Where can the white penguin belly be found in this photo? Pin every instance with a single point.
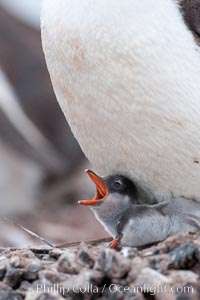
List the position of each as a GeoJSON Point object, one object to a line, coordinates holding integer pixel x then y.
{"type": "Point", "coordinates": [130, 96]}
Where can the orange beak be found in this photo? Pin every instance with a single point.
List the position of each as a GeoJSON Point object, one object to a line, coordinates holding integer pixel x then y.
{"type": "Point", "coordinates": [101, 190]}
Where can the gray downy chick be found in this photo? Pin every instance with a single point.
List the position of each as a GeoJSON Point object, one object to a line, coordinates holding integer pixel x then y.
{"type": "Point", "coordinates": [126, 215]}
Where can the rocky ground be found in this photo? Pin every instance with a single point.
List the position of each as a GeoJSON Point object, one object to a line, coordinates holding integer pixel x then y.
{"type": "Point", "coordinates": [169, 270]}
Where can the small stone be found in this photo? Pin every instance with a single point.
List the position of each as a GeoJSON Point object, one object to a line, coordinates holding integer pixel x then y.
{"type": "Point", "coordinates": [40, 284]}
{"type": "Point", "coordinates": [15, 262]}
{"type": "Point", "coordinates": [130, 252]}
{"type": "Point", "coordinates": [94, 277]}
{"type": "Point", "coordinates": [32, 295]}
{"type": "Point", "coordinates": [85, 255]}
{"type": "Point", "coordinates": [137, 264]}
{"type": "Point", "coordinates": [42, 254]}
{"type": "Point", "coordinates": [112, 293]}
{"type": "Point", "coordinates": [20, 262]}
{"type": "Point", "coordinates": [173, 242]}
{"type": "Point", "coordinates": [24, 287]}
{"type": "Point", "coordinates": [159, 262]}
{"type": "Point", "coordinates": [53, 277]}
{"type": "Point", "coordinates": [31, 271]}
{"type": "Point", "coordinates": [7, 293]}
{"type": "Point", "coordinates": [67, 263]}
{"type": "Point", "coordinates": [150, 277]}
{"type": "Point", "coordinates": [184, 257]}
{"type": "Point", "coordinates": [46, 264]}
{"type": "Point", "coordinates": [23, 253]}
{"type": "Point", "coordinates": [44, 257]}
{"type": "Point", "coordinates": [49, 297]}
{"type": "Point", "coordinates": [3, 266]}
{"type": "Point", "coordinates": [181, 277]}
{"type": "Point", "coordinates": [55, 253]}
{"type": "Point", "coordinates": [137, 296]}
{"type": "Point", "coordinates": [113, 264]}
{"type": "Point", "coordinates": [13, 277]}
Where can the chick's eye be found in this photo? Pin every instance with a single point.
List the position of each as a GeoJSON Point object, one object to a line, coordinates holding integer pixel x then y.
{"type": "Point", "coordinates": [117, 184]}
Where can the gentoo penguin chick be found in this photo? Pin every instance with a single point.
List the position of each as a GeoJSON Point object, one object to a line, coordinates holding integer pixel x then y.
{"type": "Point", "coordinates": [114, 195]}
{"type": "Point", "coordinates": [145, 224]}
{"type": "Point", "coordinates": [121, 209]}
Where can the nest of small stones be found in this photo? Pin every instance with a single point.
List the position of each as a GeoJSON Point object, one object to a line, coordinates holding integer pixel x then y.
{"type": "Point", "coordinates": [169, 270]}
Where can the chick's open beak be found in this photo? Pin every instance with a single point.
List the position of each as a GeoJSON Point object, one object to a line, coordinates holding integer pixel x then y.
{"type": "Point", "coordinates": [101, 189]}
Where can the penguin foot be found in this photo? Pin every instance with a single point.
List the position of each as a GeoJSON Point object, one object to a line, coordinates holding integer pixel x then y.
{"type": "Point", "coordinates": [115, 243]}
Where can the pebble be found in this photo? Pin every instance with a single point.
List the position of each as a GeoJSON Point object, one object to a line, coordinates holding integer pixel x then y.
{"type": "Point", "coordinates": [3, 266]}
{"type": "Point", "coordinates": [7, 293]}
{"type": "Point", "coordinates": [67, 263]}
{"type": "Point", "coordinates": [53, 277]}
{"type": "Point", "coordinates": [32, 269]}
{"type": "Point", "coordinates": [113, 264]}
{"type": "Point", "coordinates": [14, 277]}
{"type": "Point", "coordinates": [172, 263]}
{"type": "Point", "coordinates": [85, 255]}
